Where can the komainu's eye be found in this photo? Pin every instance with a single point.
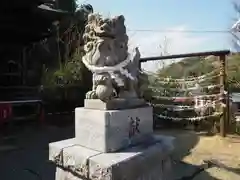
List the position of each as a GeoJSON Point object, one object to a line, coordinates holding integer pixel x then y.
{"type": "Point", "coordinates": [121, 45]}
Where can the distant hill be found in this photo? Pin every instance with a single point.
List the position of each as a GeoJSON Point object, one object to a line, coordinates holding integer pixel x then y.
{"type": "Point", "coordinates": [200, 65]}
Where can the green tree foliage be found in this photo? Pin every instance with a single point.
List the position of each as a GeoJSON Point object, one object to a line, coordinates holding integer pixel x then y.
{"type": "Point", "coordinates": [68, 48]}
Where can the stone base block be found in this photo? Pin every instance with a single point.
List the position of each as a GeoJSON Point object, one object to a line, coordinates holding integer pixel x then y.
{"type": "Point", "coordinates": [114, 104]}
{"type": "Point", "coordinates": [112, 130]}
{"type": "Point", "coordinates": [148, 161]}
{"type": "Point", "coordinates": [62, 174]}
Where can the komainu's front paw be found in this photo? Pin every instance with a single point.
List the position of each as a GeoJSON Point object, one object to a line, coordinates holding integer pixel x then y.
{"type": "Point", "coordinates": [91, 95]}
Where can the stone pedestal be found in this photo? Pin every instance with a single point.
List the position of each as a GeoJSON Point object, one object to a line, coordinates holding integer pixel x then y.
{"type": "Point", "coordinates": [115, 104]}
{"type": "Point", "coordinates": [146, 161]}
{"type": "Point", "coordinates": [113, 145]}
{"type": "Point", "coordinates": [112, 130]}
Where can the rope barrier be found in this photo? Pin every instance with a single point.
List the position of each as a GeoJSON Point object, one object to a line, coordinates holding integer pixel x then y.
{"type": "Point", "coordinates": [189, 97]}
{"type": "Point", "coordinates": [198, 118]}
{"type": "Point", "coordinates": [209, 87]}
{"type": "Point", "coordinates": [207, 104]}
{"type": "Point", "coordinates": [188, 82]}
{"type": "Point", "coordinates": [168, 79]}
{"type": "Point", "coordinates": [201, 102]}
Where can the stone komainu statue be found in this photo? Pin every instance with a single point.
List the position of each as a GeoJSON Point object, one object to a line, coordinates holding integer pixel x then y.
{"type": "Point", "coordinates": [115, 71]}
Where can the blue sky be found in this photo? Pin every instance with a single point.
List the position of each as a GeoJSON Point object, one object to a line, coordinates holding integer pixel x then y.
{"type": "Point", "coordinates": [177, 15]}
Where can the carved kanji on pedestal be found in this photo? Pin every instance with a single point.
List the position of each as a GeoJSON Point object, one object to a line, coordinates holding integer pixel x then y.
{"type": "Point", "coordinates": [134, 127]}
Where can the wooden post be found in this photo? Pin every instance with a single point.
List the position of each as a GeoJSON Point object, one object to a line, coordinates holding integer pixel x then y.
{"type": "Point", "coordinates": [139, 65]}
{"type": "Point", "coordinates": [223, 119]}
{"type": "Point", "coordinates": [24, 66]}
{"type": "Point", "coordinates": [227, 100]}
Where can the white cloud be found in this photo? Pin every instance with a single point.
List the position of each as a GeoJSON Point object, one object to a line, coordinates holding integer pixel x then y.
{"type": "Point", "coordinates": [176, 42]}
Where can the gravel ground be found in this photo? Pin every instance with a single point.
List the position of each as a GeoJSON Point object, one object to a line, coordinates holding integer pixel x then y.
{"type": "Point", "coordinates": [194, 148]}
{"type": "Point", "coordinates": [24, 154]}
